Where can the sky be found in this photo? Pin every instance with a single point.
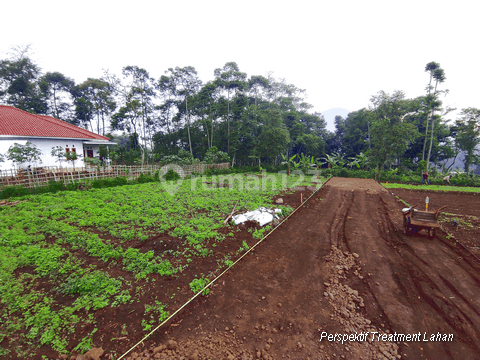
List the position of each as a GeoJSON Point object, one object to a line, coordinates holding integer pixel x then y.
{"type": "Point", "coordinates": [341, 52]}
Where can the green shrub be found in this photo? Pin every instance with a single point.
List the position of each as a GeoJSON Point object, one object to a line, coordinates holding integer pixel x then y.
{"type": "Point", "coordinates": [171, 175]}
{"type": "Point", "coordinates": [14, 191]}
{"type": "Point", "coordinates": [215, 156]}
{"type": "Point", "coordinates": [145, 179]}
{"type": "Point", "coordinates": [55, 186]}
{"type": "Point", "coordinates": [119, 181]}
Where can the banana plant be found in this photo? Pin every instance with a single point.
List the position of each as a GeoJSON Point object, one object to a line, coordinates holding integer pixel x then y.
{"type": "Point", "coordinates": [362, 160]}
{"type": "Point", "coordinates": [306, 161]}
{"type": "Point", "coordinates": [333, 160]}
{"type": "Point", "coordinates": [354, 162]}
{"type": "Point", "coordinates": [288, 160]}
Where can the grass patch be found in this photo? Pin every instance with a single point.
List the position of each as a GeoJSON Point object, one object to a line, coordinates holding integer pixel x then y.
{"type": "Point", "coordinates": [440, 188]}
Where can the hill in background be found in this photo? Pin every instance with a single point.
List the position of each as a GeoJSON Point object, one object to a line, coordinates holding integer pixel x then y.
{"type": "Point", "coordinates": [330, 117]}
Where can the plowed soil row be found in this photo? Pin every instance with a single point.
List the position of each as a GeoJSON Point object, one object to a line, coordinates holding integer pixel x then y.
{"type": "Point", "coordinates": [340, 264]}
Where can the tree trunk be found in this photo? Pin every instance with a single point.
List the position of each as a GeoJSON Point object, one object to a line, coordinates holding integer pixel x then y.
{"type": "Point", "coordinates": [98, 123]}
{"type": "Point", "coordinates": [425, 139]}
{"type": "Point", "coordinates": [430, 148]}
{"type": "Point", "coordinates": [103, 124]}
{"type": "Point", "coordinates": [228, 122]}
{"type": "Point", "coordinates": [426, 126]}
{"type": "Point", "coordinates": [55, 103]}
{"type": "Point", "coordinates": [188, 126]}
{"type": "Point", "coordinates": [433, 124]}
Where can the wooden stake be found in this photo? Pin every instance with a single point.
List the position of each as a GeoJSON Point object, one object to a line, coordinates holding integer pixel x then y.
{"type": "Point", "coordinates": [231, 214]}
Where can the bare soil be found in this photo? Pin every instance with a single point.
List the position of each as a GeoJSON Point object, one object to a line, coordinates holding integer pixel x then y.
{"type": "Point", "coordinates": [341, 264]}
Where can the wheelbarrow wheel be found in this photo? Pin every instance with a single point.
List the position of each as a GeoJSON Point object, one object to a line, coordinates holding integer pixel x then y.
{"type": "Point", "coordinates": [431, 233]}
{"type": "Point", "coordinates": [406, 226]}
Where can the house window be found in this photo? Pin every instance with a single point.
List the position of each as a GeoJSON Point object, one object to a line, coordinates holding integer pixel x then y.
{"type": "Point", "coordinates": [67, 150]}
{"type": "Point", "coordinates": [74, 150]}
{"type": "Point", "coordinates": [89, 152]}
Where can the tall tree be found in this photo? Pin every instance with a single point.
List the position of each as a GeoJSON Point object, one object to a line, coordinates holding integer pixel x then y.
{"type": "Point", "coordinates": [57, 89]}
{"type": "Point", "coordinates": [207, 110]}
{"type": "Point", "coordinates": [390, 133]}
{"type": "Point", "coordinates": [430, 68]}
{"type": "Point", "coordinates": [468, 136]}
{"type": "Point", "coordinates": [18, 83]}
{"type": "Point", "coordinates": [274, 135]}
{"type": "Point", "coordinates": [140, 89]}
{"type": "Point", "coordinates": [256, 84]}
{"type": "Point", "coordinates": [355, 139]}
{"type": "Point", "coordinates": [167, 92]}
{"type": "Point", "coordinates": [188, 85]}
{"type": "Point", "coordinates": [233, 81]}
{"type": "Point", "coordinates": [94, 99]}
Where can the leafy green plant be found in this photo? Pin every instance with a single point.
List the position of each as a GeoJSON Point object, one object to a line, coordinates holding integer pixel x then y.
{"type": "Point", "coordinates": [20, 154]}
{"type": "Point", "coordinates": [157, 314]}
{"type": "Point", "coordinates": [198, 285]}
{"type": "Point", "coordinates": [72, 156]}
{"type": "Point", "coordinates": [86, 343]}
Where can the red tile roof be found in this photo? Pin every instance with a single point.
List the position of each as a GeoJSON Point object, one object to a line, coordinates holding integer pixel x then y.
{"type": "Point", "coordinates": [14, 121]}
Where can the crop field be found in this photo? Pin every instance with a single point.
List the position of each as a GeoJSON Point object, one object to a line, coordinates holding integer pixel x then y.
{"type": "Point", "coordinates": [102, 267]}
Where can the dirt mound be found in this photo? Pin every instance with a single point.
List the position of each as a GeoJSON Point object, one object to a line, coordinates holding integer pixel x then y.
{"type": "Point", "coordinates": [368, 185]}
{"type": "Point", "coordinates": [337, 280]}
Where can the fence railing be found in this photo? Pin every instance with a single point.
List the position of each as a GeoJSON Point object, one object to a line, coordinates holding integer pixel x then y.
{"type": "Point", "coordinates": [41, 176]}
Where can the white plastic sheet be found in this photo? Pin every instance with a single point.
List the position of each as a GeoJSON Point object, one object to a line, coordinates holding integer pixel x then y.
{"type": "Point", "coordinates": [262, 215]}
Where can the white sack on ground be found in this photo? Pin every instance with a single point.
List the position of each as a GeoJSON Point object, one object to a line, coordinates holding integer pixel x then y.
{"type": "Point", "coordinates": [262, 215]}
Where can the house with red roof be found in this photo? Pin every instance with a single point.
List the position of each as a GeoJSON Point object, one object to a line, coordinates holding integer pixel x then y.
{"type": "Point", "coordinates": [45, 132]}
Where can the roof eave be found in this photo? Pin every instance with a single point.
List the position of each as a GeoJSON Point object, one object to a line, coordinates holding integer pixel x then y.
{"type": "Point", "coordinates": [50, 137]}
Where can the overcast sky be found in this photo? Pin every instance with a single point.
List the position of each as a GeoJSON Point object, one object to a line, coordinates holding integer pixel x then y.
{"type": "Point", "coordinates": [340, 52]}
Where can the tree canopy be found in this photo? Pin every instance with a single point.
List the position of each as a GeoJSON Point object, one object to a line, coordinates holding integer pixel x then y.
{"type": "Point", "coordinates": [246, 117]}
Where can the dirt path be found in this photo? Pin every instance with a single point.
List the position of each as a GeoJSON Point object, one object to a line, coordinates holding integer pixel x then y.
{"type": "Point", "coordinates": [341, 264]}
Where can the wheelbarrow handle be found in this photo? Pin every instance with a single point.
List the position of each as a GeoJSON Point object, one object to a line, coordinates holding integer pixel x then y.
{"type": "Point", "coordinates": [410, 209]}
{"type": "Point", "coordinates": [438, 210]}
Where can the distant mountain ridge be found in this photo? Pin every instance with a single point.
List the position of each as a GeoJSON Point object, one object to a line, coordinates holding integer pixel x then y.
{"type": "Point", "coordinates": [330, 116]}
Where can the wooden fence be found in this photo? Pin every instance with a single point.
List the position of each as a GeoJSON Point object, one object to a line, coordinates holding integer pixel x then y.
{"type": "Point", "coordinates": [41, 176]}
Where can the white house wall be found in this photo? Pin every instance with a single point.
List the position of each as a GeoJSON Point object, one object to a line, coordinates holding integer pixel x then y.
{"type": "Point", "coordinates": [45, 146]}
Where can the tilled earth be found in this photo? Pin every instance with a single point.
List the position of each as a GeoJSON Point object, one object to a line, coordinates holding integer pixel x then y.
{"type": "Point", "coordinates": [340, 265]}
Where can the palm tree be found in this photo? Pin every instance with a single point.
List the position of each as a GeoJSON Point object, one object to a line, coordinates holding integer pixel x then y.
{"type": "Point", "coordinates": [430, 67]}
{"type": "Point", "coordinates": [439, 76]}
